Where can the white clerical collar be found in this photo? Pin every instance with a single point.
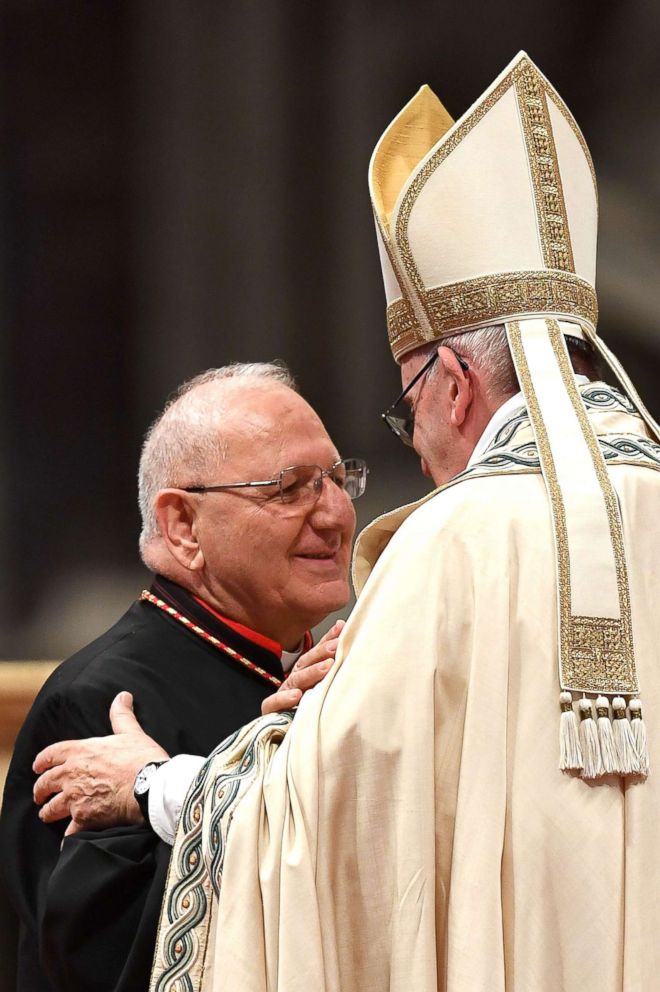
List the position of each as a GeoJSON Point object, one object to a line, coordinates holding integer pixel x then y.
{"type": "Point", "coordinates": [499, 419]}
{"type": "Point", "coordinates": [289, 658]}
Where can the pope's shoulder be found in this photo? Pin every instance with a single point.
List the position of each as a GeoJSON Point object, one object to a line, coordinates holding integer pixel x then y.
{"type": "Point", "coordinates": [490, 501]}
{"type": "Point", "coordinates": [463, 523]}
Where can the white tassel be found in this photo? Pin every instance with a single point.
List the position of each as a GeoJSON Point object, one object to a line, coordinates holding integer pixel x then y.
{"type": "Point", "coordinates": [639, 733]}
{"type": "Point", "coordinates": [624, 739]}
{"type": "Point", "coordinates": [570, 755]}
{"type": "Point", "coordinates": [593, 766]}
{"type": "Point", "coordinates": [608, 752]}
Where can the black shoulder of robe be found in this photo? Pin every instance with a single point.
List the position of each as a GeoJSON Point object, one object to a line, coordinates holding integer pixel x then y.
{"type": "Point", "coordinates": [88, 915]}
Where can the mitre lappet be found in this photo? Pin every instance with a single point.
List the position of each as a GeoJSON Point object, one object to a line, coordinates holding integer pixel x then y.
{"type": "Point", "coordinates": [492, 219]}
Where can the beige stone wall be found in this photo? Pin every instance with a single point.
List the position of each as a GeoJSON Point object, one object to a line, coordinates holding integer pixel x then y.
{"type": "Point", "coordinates": [20, 681]}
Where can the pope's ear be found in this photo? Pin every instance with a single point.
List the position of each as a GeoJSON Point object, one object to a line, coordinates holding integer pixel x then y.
{"type": "Point", "coordinates": [176, 513]}
{"type": "Point", "coordinates": [459, 383]}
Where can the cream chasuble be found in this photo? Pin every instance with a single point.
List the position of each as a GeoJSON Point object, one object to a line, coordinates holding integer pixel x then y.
{"type": "Point", "coordinates": [412, 831]}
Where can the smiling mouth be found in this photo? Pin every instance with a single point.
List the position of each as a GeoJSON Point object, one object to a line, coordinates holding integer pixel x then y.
{"type": "Point", "coordinates": [326, 556]}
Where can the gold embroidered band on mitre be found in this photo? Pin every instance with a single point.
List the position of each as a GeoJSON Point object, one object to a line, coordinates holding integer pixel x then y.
{"type": "Point", "coordinates": [488, 300]}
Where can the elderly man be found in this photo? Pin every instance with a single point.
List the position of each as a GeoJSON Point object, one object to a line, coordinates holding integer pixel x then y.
{"type": "Point", "coordinates": [421, 824]}
{"type": "Point", "coordinates": [247, 522]}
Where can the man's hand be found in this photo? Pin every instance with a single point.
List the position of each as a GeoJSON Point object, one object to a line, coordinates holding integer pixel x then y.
{"type": "Point", "coordinates": [310, 668]}
{"type": "Point", "coordinates": [92, 780]}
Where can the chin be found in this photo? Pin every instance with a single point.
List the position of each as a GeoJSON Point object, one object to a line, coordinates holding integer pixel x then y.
{"type": "Point", "coordinates": [439, 473]}
{"type": "Point", "coordinates": [327, 600]}
{"type": "Point", "coordinates": [337, 598]}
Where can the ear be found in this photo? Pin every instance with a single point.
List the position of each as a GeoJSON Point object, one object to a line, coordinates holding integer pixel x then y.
{"type": "Point", "coordinates": [460, 386]}
{"type": "Point", "coordinates": [176, 513]}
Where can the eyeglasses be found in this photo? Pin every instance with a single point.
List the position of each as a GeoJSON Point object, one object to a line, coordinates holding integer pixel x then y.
{"type": "Point", "coordinates": [404, 427]}
{"type": "Point", "coordinates": [304, 483]}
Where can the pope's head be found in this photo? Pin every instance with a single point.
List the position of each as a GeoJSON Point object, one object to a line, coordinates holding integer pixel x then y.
{"type": "Point", "coordinates": [461, 381]}
{"type": "Point", "coordinates": [486, 220]}
{"type": "Point", "coordinates": [272, 556]}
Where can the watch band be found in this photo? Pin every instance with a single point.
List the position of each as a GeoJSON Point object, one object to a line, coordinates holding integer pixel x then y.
{"type": "Point", "coordinates": [141, 787]}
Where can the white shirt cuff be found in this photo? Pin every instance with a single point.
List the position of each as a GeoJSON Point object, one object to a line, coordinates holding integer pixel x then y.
{"type": "Point", "coordinates": [167, 791]}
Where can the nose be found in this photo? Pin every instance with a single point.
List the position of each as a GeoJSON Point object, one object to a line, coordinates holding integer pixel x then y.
{"type": "Point", "coordinates": [333, 510]}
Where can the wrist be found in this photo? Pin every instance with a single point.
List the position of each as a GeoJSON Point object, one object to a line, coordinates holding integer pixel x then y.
{"type": "Point", "coordinates": [141, 788]}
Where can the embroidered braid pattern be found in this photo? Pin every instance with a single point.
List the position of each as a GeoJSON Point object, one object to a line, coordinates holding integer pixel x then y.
{"type": "Point", "coordinates": [504, 455]}
{"type": "Point", "coordinates": [197, 862]}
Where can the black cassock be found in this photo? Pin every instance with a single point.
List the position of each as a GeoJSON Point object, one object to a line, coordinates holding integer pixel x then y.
{"type": "Point", "coordinates": [89, 912]}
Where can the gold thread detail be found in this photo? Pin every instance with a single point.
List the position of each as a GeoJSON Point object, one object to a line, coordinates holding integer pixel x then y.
{"type": "Point", "coordinates": [453, 139]}
{"type": "Point", "coordinates": [549, 474]}
{"type": "Point", "coordinates": [544, 166]}
{"type": "Point", "coordinates": [572, 123]}
{"type": "Point", "coordinates": [481, 471]}
{"type": "Point", "coordinates": [610, 642]}
{"type": "Point", "coordinates": [403, 328]}
{"type": "Point", "coordinates": [595, 653]}
{"type": "Point", "coordinates": [396, 268]}
{"type": "Point", "coordinates": [404, 306]}
{"type": "Point", "coordinates": [598, 656]}
{"type": "Point", "coordinates": [491, 299]}
{"type": "Point", "coordinates": [643, 463]}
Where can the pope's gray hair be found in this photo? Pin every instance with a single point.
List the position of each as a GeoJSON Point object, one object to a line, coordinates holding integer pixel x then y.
{"type": "Point", "coordinates": [487, 348]}
{"type": "Point", "coordinates": [185, 440]}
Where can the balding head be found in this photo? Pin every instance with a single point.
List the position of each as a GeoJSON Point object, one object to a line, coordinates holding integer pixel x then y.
{"type": "Point", "coordinates": [190, 438]}
{"type": "Point", "coordinates": [215, 519]}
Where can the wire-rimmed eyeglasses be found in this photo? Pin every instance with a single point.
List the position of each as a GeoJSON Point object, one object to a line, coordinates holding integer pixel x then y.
{"type": "Point", "coordinates": [404, 427]}
{"type": "Point", "coordinates": [304, 483]}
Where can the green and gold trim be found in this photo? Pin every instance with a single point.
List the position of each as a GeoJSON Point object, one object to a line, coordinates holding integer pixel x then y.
{"type": "Point", "coordinates": [196, 866]}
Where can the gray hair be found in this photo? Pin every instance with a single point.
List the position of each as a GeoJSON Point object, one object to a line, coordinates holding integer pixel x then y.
{"type": "Point", "coordinates": [487, 348]}
{"type": "Point", "coordinates": [183, 440]}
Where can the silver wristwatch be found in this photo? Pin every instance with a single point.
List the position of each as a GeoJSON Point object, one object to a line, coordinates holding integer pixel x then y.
{"type": "Point", "coordinates": [142, 785]}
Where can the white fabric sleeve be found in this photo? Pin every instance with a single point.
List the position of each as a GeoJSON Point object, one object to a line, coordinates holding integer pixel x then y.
{"type": "Point", "coordinates": [167, 791]}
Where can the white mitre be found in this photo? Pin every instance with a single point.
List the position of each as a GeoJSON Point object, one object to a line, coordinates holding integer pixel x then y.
{"type": "Point", "coordinates": [493, 219]}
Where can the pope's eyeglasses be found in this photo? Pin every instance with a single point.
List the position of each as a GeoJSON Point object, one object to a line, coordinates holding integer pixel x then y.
{"type": "Point", "coordinates": [404, 427]}
{"type": "Point", "coordinates": [304, 483]}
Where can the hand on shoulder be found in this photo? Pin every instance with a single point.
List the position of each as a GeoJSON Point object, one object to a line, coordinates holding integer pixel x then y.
{"type": "Point", "coordinates": [92, 780]}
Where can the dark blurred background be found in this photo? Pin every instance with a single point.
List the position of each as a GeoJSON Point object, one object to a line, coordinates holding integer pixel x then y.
{"type": "Point", "coordinates": [183, 183]}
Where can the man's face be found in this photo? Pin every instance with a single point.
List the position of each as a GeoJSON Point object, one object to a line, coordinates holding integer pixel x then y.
{"type": "Point", "coordinates": [448, 420]}
{"type": "Point", "coordinates": [432, 434]}
{"type": "Point", "coordinates": [279, 568]}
